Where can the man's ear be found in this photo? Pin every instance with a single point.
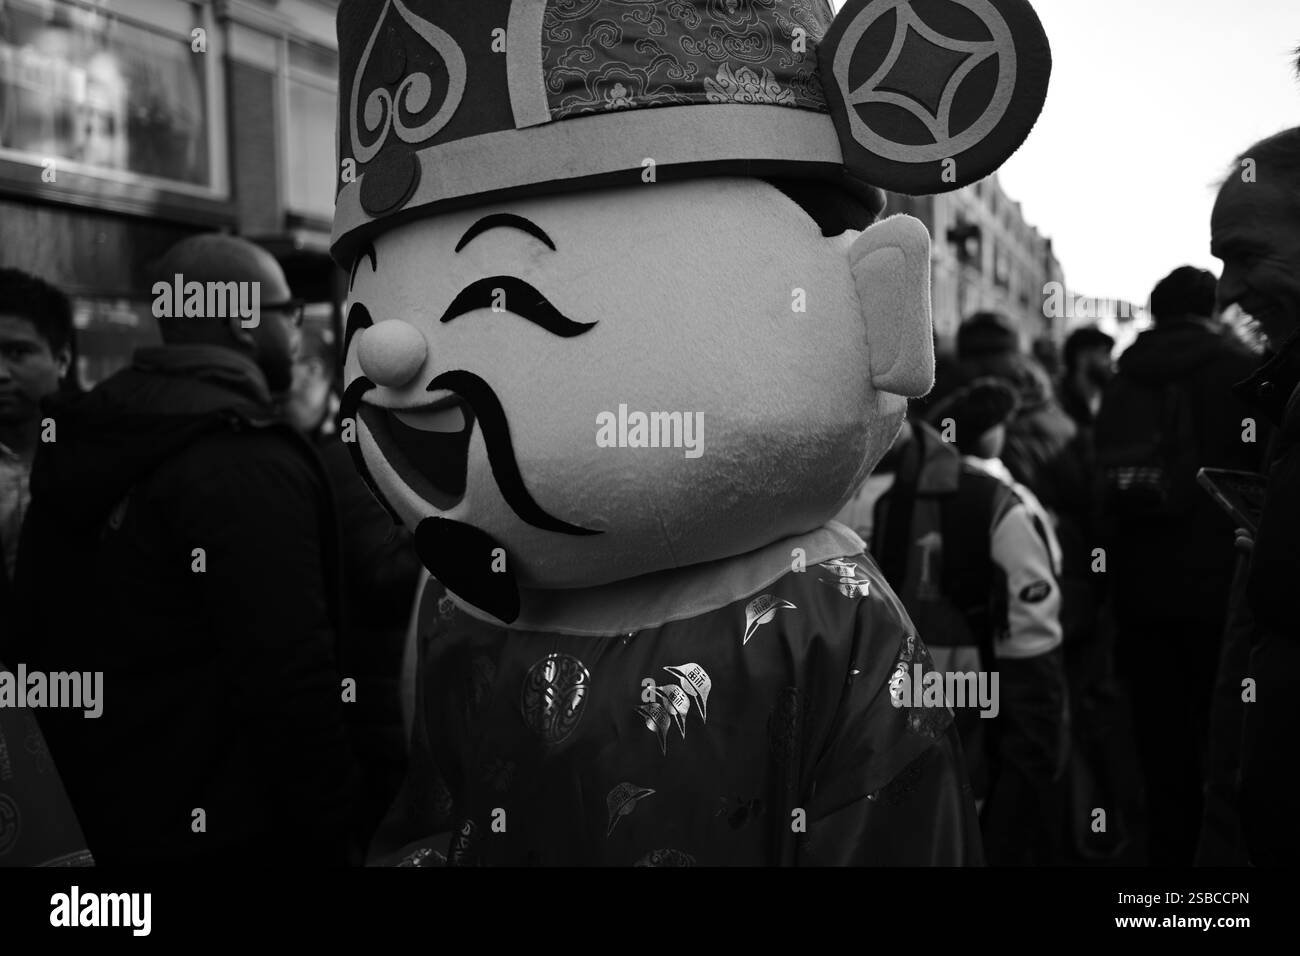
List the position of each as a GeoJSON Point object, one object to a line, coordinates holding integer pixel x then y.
{"type": "Point", "coordinates": [890, 263]}
{"type": "Point", "coordinates": [63, 361]}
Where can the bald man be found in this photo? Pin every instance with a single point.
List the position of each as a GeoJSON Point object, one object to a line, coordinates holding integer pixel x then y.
{"type": "Point", "coordinates": [1255, 230]}
{"type": "Point", "coordinates": [182, 543]}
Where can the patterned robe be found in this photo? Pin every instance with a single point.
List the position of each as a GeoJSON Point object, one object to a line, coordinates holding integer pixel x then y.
{"type": "Point", "coordinates": [37, 824]}
{"type": "Point", "coordinates": [769, 729]}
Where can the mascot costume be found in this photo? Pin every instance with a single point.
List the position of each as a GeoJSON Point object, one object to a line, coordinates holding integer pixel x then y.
{"type": "Point", "coordinates": [621, 339]}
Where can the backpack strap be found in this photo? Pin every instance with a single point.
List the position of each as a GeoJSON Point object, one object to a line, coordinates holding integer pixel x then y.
{"type": "Point", "coordinates": [973, 582]}
{"type": "Point", "coordinates": [896, 540]}
{"type": "Point", "coordinates": [969, 575]}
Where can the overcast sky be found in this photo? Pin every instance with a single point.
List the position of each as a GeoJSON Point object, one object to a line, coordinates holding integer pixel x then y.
{"type": "Point", "coordinates": [1150, 100]}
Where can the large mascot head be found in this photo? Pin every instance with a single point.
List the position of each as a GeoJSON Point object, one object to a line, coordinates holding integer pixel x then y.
{"type": "Point", "coordinates": [610, 309]}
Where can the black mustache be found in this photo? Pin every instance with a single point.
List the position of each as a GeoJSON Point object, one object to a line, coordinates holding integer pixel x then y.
{"type": "Point", "coordinates": [460, 556]}
{"type": "Point", "coordinates": [521, 299]}
{"type": "Point", "coordinates": [491, 418]}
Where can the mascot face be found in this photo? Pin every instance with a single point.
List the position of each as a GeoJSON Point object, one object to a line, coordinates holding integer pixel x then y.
{"type": "Point", "coordinates": [617, 382]}
{"type": "Point", "coordinates": [561, 374]}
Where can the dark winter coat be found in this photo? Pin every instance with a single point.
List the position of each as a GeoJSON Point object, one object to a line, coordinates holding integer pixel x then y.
{"type": "Point", "coordinates": [380, 573]}
{"type": "Point", "coordinates": [1182, 569]}
{"type": "Point", "coordinates": [184, 544]}
{"type": "Point", "coordinates": [1272, 718]}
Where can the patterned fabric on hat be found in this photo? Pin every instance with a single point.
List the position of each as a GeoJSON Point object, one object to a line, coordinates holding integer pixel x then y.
{"type": "Point", "coordinates": [642, 53]}
{"type": "Point", "coordinates": [446, 102]}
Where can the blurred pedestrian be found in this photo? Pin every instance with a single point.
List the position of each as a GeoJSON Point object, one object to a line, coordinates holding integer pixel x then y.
{"type": "Point", "coordinates": [36, 348]}
{"type": "Point", "coordinates": [1038, 437]}
{"type": "Point", "coordinates": [1088, 632]}
{"type": "Point", "coordinates": [308, 403]}
{"type": "Point", "coordinates": [1103, 767]}
{"type": "Point", "coordinates": [183, 543]}
{"type": "Point", "coordinates": [1255, 230]}
{"type": "Point", "coordinates": [1168, 412]}
{"type": "Point", "coordinates": [976, 565]}
{"type": "Point", "coordinates": [1089, 367]}
{"type": "Point", "coordinates": [1044, 453]}
{"type": "Point", "coordinates": [1047, 354]}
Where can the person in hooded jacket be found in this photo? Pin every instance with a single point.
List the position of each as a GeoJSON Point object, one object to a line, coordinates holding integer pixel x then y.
{"type": "Point", "coordinates": [183, 542]}
{"type": "Point", "coordinates": [1169, 411]}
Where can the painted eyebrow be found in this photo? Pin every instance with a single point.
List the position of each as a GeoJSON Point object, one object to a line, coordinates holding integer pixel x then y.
{"type": "Point", "coordinates": [504, 220]}
{"type": "Point", "coordinates": [367, 252]}
{"type": "Point", "coordinates": [358, 319]}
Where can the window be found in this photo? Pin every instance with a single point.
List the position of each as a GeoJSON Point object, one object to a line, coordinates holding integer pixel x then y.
{"type": "Point", "coordinates": [310, 173]}
{"type": "Point", "coordinates": [113, 90]}
{"type": "Point", "coordinates": [1001, 266]}
{"type": "Point", "coordinates": [108, 331]}
{"type": "Point", "coordinates": [966, 239]}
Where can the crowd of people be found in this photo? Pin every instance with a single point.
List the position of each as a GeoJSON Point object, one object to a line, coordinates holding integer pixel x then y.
{"type": "Point", "coordinates": [1047, 528]}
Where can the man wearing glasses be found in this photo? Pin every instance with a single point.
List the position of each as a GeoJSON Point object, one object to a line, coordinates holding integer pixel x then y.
{"type": "Point", "coordinates": [181, 541]}
{"type": "Point", "coordinates": [291, 311]}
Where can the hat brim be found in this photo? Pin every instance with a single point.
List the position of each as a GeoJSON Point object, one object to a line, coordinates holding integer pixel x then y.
{"type": "Point", "coordinates": [594, 152]}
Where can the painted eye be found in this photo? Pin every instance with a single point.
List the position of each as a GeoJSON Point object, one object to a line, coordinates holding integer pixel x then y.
{"type": "Point", "coordinates": [392, 352]}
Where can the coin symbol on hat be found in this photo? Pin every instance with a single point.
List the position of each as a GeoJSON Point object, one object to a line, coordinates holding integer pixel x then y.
{"type": "Point", "coordinates": [914, 97]}
{"type": "Point", "coordinates": [922, 74]}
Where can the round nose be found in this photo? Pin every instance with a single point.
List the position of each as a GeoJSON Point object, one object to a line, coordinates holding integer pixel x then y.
{"type": "Point", "coordinates": [392, 352]}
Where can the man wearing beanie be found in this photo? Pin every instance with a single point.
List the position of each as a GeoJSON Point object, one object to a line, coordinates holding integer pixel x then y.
{"type": "Point", "coordinates": [1037, 449]}
{"type": "Point", "coordinates": [978, 566]}
{"type": "Point", "coordinates": [986, 334]}
{"type": "Point", "coordinates": [196, 538]}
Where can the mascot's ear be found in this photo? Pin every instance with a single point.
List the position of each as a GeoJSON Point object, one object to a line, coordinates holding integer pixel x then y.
{"type": "Point", "coordinates": [890, 263]}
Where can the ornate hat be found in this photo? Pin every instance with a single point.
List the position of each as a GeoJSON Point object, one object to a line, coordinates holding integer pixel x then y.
{"type": "Point", "coordinates": [445, 104]}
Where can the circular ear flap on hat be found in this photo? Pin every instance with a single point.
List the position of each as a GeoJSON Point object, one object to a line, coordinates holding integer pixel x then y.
{"type": "Point", "coordinates": [932, 95]}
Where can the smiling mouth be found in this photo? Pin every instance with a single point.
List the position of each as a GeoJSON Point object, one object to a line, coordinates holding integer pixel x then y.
{"type": "Point", "coordinates": [428, 446]}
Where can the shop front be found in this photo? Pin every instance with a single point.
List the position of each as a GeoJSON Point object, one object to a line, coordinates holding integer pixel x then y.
{"type": "Point", "coordinates": [126, 125]}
